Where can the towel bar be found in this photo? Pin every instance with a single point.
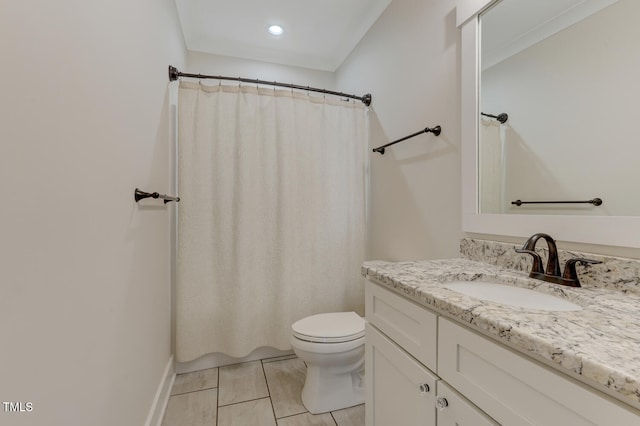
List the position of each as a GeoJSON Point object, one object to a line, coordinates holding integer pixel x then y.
{"type": "Point", "coordinates": [436, 131]}
{"type": "Point", "coordinates": [140, 195]}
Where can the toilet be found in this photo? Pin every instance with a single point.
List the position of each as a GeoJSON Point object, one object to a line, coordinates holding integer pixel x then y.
{"type": "Point", "coordinates": [332, 346]}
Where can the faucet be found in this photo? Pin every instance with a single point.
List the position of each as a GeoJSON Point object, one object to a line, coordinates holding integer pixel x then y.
{"type": "Point", "coordinates": [552, 272]}
{"type": "Point", "coordinates": [553, 264]}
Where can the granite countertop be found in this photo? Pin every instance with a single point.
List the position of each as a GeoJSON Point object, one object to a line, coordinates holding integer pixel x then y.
{"type": "Point", "coordinates": [600, 343]}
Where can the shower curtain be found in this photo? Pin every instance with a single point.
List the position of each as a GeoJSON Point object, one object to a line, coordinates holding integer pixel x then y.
{"type": "Point", "coordinates": [492, 163]}
{"type": "Point", "coordinates": [271, 219]}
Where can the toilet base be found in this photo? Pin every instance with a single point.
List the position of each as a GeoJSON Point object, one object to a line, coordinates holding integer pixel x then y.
{"type": "Point", "coordinates": [324, 391]}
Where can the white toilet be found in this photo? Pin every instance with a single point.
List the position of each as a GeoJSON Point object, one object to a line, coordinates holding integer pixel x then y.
{"type": "Point", "coordinates": [332, 346]}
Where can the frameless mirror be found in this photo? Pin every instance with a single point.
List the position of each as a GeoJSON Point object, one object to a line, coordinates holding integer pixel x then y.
{"type": "Point", "coordinates": [570, 91]}
{"type": "Point", "coordinates": [566, 74]}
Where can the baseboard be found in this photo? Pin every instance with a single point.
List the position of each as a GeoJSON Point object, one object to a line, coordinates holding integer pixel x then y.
{"type": "Point", "coordinates": [162, 396]}
{"type": "Point", "coordinates": [219, 359]}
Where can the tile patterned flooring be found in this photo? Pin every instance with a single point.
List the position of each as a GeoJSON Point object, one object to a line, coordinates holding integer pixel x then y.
{"type": "Point", "coordinates": [256, 393]}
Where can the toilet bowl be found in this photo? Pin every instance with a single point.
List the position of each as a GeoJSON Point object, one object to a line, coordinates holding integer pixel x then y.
{"type": "Point", "coordinates": [332, 346]}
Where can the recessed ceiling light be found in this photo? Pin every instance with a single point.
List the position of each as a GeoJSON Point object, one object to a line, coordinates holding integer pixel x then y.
{"type": "Point", "coordinates": [275, 30]}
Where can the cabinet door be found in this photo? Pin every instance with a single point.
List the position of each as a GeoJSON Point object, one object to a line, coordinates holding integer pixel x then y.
{"type": "Point", "coordinates": [454, 410]}
{"type": "Point", "coordinates": [399, 390]}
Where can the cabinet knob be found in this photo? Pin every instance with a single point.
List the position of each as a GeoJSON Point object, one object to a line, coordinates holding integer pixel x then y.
{"type": "Point", "coordinates": [424, 388]}
{"type": "Point", "coordinates": [442, 403]}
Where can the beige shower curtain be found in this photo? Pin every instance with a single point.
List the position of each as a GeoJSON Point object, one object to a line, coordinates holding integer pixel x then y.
{"type": "Point", "coordinates": [271, 221]}
{"type": "Point", "coordinates": [491, 156]}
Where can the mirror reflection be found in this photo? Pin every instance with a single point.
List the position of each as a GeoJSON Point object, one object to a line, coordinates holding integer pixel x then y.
{"type": "Point", "coordinates": [566, 74]}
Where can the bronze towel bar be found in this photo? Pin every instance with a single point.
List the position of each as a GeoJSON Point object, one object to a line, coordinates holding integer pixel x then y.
{"type": "Point", "coordinates": [436, 131]}
{"type": "Point", "coordinates": [140, 195]}
{"type": "Point", "coordinates": [595, 202]}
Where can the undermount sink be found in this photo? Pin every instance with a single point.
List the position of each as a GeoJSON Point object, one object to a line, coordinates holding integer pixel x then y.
{"type": "Point", "coordinates": [512, 296]}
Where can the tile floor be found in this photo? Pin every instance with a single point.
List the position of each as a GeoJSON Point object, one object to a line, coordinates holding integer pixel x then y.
{"type": "Point", "coordinates": [257, 393]}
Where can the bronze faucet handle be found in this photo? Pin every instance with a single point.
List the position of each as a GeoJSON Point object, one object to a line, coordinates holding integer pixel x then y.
{"type": "Point", "coordinates": [570, 272]}
{"type": "Point", "coordinates": [537, 260]}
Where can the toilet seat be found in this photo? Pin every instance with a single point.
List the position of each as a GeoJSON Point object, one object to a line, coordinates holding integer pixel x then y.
{"type": "Point", "coordinates": [335, 327]}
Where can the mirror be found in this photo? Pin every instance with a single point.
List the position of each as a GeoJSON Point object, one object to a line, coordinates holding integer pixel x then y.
{"type": "Point", "coordinates": [564, 73]}
{"type": "Point", "coordinates": [566, 77]}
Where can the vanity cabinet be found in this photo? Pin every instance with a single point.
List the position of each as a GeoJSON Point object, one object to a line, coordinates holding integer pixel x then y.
{"type": "Point", "coordinates": [425, 369]}
{"type": "Point", "coordinates": [515, 390]}
{"type": "Point", "coordinates": [399, 390]}
{"type": "Point", "coordinates": [410, 325]}
{"type": "Point", "coordinates": [456, 410]}
{"type": "Point", "coordinates": [401, 357]}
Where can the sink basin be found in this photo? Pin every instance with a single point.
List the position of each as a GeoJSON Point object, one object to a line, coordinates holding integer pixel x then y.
{"type": "Point", "coordinates": [512, 296]}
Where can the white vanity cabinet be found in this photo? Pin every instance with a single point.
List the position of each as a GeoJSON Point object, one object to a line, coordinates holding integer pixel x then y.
{"type": "Point", "coordinates": [515, 390]}
{"type": "Point", "coordinates": [401, 357]}
{"type": "Point", "coordinates": [399, 390]}
{"type": "Point", "coordinates": [455, 410]}
{"type": "Point", "coordinates": [425, 369]}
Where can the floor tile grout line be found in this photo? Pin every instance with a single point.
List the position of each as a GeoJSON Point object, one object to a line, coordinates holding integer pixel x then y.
{"type": "Point", "coordinates": [193, 391]}
{"type": "Point", "coordinates": [242, 402]}
{"type": "Point", "coordinates": [218, 398]}
{"type": "Point", "coordinates": [266, 381]}
{"type": "Point", "coordinates": [238, 363]}
{"type": "Point", "coordinates": [294, 414]}
{"type": "Point", "coordinates": [278, 358]}
{"type": "Point", "coordinates": [186, 373]}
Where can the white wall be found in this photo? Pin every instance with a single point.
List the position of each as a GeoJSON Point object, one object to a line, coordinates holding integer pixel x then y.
{"type": "Point", "coordinates": [85, 305]}
{"type": "Point", "coordinates": [409, 61]}
{"type": "Point", "coordinates": [204, 63]}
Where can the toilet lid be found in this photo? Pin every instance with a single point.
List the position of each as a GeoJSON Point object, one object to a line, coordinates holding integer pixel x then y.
{"type": "Point", "coordinates": [333, 327]}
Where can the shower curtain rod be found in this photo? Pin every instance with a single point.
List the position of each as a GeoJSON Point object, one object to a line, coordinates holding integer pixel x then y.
{"type": "Point", "coordinates": [174, 74]}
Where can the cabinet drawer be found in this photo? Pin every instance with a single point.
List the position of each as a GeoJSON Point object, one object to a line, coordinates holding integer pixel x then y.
{"type": "Point", "coordinates": [399, 390]}
{"type": "Point", "coordinates": [410, 325]}
{"type": "Point", "coordinates": [517, 391]}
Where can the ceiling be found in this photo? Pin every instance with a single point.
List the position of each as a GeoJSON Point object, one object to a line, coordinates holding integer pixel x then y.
{"type": "Point", "coordinates": [511, 26]}
{"type": "Point", "coordinates": [319, 34]}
